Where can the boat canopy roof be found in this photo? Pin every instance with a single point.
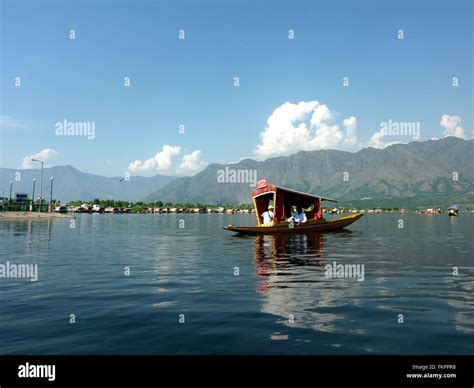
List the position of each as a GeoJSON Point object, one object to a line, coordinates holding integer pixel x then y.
{"type": "Point", "coordinates": [291, 195]}
{"type": "Point", "coordinates": [284, 200]}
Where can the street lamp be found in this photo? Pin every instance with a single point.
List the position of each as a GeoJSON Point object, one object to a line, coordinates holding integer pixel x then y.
{"type": "Point", "coordinates": [41, 184]}
{"type": "Point", "coordinates": [51, 199]}
{"type": "Point", "coordinates": [33, 196]}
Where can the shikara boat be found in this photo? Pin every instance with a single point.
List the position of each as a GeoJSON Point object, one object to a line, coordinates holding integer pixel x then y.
{"type": "Point", "coordinates": [284, 199]}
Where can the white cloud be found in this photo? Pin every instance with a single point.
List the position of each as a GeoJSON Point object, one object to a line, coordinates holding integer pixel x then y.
{"type": "Point", "coordinates": [192, 163]}
{"type": "Point", "coordinates": [164, 162]}
{"type": "Point", "coordinates": [376, 141]}
{"type": "Point", "coordinates": [351, 135]}
{"type": "Point", "coordinates": [43, 155]}
{"type": "Point", "coordinates": [451, 126]}
{"type": "Point", "coordinates": [287, 130]}
{"type": "Point", "coordinates": [161, 162]}
{"type": "Point", "coordinates": [163, 158]}
{"type": "Point", "coordinates": [308, 125]}
{"type": "Point", "coordinates": [320, 115]}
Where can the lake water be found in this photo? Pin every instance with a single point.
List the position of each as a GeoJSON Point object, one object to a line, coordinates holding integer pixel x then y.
{"type": "Point", "coordinates": [281, 302]}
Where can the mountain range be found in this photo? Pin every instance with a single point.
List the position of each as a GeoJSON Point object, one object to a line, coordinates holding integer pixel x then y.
{"type": "Point", "coordinates": [425, 173]}
{"type": "Point", "coordinates": [71, 184]}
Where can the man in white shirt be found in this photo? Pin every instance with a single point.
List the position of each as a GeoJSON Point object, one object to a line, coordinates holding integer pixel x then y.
{"type": "Point", "coordinates": [268, 216]}
{"type": "Point", "coordinates": [299, 217]}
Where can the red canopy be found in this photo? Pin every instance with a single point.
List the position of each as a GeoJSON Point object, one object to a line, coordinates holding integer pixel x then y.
{"type": "Point", "coordinates": [283, 199]}
{"type": "Point", "coordinates": [297, 195]}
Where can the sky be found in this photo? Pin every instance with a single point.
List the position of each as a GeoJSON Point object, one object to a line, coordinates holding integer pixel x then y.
{"type": "Point", "coordinates": [161, 87]}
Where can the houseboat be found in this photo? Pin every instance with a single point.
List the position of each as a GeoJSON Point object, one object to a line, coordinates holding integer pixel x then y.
{"type": "Point", "coordinates": [60, 209]}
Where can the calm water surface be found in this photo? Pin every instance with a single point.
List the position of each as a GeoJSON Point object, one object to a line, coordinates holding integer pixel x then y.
{"type": "Point", "coordinates": [191, 271]}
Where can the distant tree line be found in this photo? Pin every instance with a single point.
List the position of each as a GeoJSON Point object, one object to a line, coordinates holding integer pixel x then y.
{"type": "Point", "coordinates": [141, 206]}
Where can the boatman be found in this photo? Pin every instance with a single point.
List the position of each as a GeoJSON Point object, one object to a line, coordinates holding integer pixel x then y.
{"type": "Point", "coordinates": [299, 217]}
{"type": "Point", "coordinates": [268, 216]}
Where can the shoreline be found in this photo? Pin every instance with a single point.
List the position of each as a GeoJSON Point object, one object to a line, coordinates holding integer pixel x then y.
{"type": "Point", "coordinates": [8, 216]}
{"type": "Point", "coordinates": [32, 216]}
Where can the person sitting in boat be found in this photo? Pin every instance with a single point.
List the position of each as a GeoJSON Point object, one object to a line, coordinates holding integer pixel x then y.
{"type": "Point", "coordinates": [299, 217]}
{"type": "Point", "coordinates": [268, 216]}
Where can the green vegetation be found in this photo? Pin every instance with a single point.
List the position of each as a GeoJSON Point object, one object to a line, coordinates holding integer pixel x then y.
{"type": "Point", "coordinates": [142, 207]}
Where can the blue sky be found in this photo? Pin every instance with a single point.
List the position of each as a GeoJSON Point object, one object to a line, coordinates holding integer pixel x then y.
{"type": "Point", "coordinates": [191, 81]}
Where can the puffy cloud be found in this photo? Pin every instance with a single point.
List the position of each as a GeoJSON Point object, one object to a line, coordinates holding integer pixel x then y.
{"type": "Point", "coordinates": [163, 162]}
{"type": "Point", "coordinates": [43, 155]}
{"type": "Point", "coordinates": [320, 115]}
{"type": "Point", "coordinates": [163, 158]}
{"type": "Point", "coordinates": [451, 126]}
{"type": "Point", "coordinates": [326, 136]}
{"type": "Point", "coordinates": [191, 163]}
{"type": "Point", "coordinates": [282, 136]}
{"type": "Point", "coordinates": [351, 125]}
{"type": "Point", "coordinates": [308, 125]}
{"type": "Point", "coordinates": [376, 141]}
{"type": "Point", "coordinates": [288, 131]}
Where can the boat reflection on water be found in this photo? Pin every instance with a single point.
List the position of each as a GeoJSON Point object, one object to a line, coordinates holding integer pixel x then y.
{"type": "Point", "coordinates": [274, 254]}
{"type": "Point", "coordinates": [291, 273]}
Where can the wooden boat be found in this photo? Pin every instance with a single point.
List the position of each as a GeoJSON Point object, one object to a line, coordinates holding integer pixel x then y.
{"type": "Point", "coordinates": [284, 199]}
{"type": "Point", "coordinates": [318, 226]}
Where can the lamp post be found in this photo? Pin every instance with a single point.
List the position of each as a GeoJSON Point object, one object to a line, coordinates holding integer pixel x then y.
{"type": "Point", "coordinates": [10, 198]}
{"type": "Point", "coordinates": [33, 196]}
{"type": "Point", "coordinates": [41, 183]}
{"type": "Point", "coordinates": [51, 199]}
